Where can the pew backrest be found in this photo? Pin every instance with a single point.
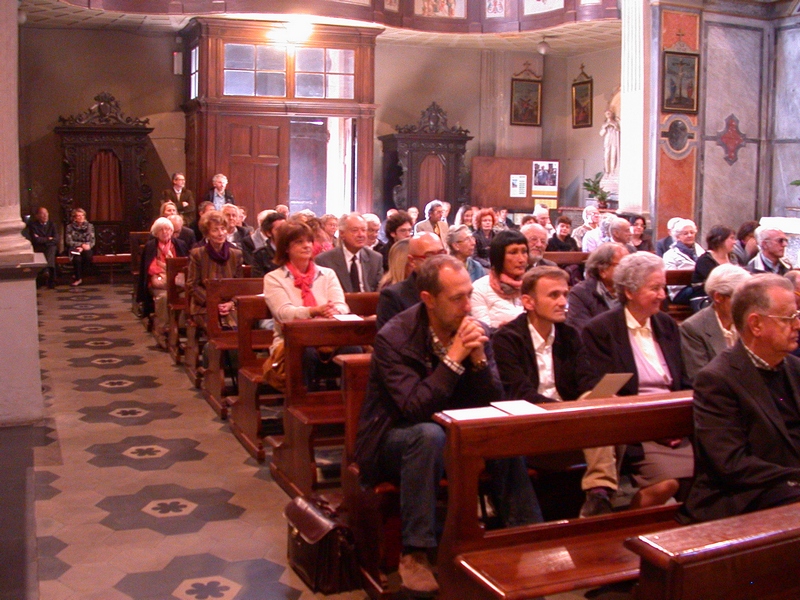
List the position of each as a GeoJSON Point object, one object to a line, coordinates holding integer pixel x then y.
{"type": "Point", "coordinates": [251, 310]}
{"type": "Point", "coordinates": [224, 290]}
{"type": "Point", "coordinates": [176, 295]}
{"type": "Point", "coordinates": [363, 304]}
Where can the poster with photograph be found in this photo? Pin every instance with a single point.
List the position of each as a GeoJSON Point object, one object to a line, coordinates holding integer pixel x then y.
{"type": "Point", "coordinates": [545, 179]}
{"type": "Point", "coordinates": [519, 186]}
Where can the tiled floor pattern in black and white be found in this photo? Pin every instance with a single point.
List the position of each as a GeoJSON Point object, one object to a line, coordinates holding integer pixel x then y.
{"type": "Point", "coordinates": [141, 492]}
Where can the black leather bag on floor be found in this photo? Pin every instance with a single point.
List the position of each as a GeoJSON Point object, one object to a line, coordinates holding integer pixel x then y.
{"type": "Point", "coordinates": [321, 549]}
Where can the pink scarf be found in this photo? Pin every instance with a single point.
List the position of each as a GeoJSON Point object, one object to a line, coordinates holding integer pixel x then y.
{"type": "Point", "coordinates": [303, 282]}
{"type": "Point", "coordinates": [504, 286]}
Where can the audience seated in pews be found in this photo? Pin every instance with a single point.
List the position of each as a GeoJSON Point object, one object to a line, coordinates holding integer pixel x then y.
{"type": "Point", "coordinates": [772, 245]}
{"type": "Point", "coordinates": [710, 331]}
{"type": "Point", "coordinates": [373, 228]}
{"type": "Point", "coordinates": [640, 239]}
{"type": "Point", "coordinates": [596, 294]}
{"type": "Point", "coordinates": [215, 258]}
{"type": "Point", "coordinates": [619, 230]}
{"type": "Point", "coordinates": [720, 241]}
{"type": "Point", "coordinates": [462, 246]}
{"type": "Point", "coordinates": [636, 338]}
{"type": "Point", "coordinates": [429, 358]}
{"type": "Point", "coordinates": [591, 219]}
{"type": "Point", "coordinates": [747, 421]}
{"type": "Point", "coordinates": [599, 235]}
{"type": "Point", "coordinates": [536, 236]}
{"type": "Point", "coordinates": [536, 352]}
{"type": "Point", "coordinates": [264, 257]}
{"type": "Point", "coordinates": [358, 268]}
{"type": "Point", "coordinates": [236, 235]}
{"type": "Point", "coordinates": [561, 241]}
{"type": "Point", "coordinates": [496, 296]}
{"type": "Point", "coordinates": [434, 222]}
{"type": "Point", "coordinates": [219, 195]}
{"type": "Point", "coordinates": [179, 231]}
{"type": "Point", "coordinates": [397, 227]}
{"type": "Point", "coordinates": [396, 298]}
{"type": "Point", "coordinates": [399, 267]}
{"type": "Point", "coordinates": [542, 215]}
{"type": "Point", "coordinates": [464, 216]}
{"type": "Point", "coordinates": [151, 289]}
{"type": "Point", "coordinates": [746, 246]}
{"type": "Point", "coordinates": [668, 241]}
{"type": "Point", "coordinates": [79, 242]}
{"type": "Point", "coordinates": [42, 233]}
{"type": "Point", "coordinates": [682, 256]}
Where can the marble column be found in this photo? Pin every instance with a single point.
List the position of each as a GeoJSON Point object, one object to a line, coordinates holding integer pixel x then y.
{"type": "Point", "coordinates": [20, 378]}
{"type": "Point", "coordinates": [635, 152]}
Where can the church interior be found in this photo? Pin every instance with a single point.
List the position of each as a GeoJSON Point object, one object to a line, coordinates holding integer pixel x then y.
{"type": "Point", "coordinates": [122, 483]}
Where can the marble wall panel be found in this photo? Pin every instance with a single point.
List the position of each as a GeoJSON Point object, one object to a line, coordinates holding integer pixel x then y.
{"type": "Point", "coordinates": [787, 81]}
{"type": "Point", "coordinates": [733, 77]}
{"type": "Point", "coordinates": [728, 195]}
{"type": "Point", "coordinates": [675, 188]}
{"type": "Point", "coordinates": [785, 168]}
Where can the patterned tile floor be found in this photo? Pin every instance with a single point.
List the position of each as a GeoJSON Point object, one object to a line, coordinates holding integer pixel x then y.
{"type": "Point", "coordinates": [140, 491]}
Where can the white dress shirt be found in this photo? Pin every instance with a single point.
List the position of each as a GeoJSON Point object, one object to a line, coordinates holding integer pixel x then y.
{"type": "Point", "coordinates": [544, 361]}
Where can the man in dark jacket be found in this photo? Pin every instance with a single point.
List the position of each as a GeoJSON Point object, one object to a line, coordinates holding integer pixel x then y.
{"type": "Point", "coordinates": [396, 298]}
{"type": "Point", "coordinates": [747, 409]}
{"type": "Point", "coordinates": [429, 358]}
{"type": "Point", "coordinates": [536, 352]}
{"type": "Point", "coordinates": [44, 238]}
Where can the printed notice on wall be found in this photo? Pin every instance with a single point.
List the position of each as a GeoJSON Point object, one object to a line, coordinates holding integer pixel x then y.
{"type": "Point", "coordinates": [519, 186]}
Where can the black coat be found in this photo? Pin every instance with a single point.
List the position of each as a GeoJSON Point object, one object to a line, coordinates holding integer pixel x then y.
{"type": "Point", "coordinates": [742, 446]}
{"type": "Point", "coordinates": [516, 361]}
{"type": "Point", "coordinates": [396, 298]}
{"type": "Point", "coordinates": [585, 303]}
{"type": "Point", "coordinates": [607, 349]}
{"type": "Point", "coordinates": [408, 384]}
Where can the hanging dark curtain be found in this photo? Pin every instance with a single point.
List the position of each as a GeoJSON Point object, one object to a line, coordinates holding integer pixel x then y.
{"type": "Point", "coordinates": [431, 179]}
{"type": "Point", "coordinates": [106, 199]}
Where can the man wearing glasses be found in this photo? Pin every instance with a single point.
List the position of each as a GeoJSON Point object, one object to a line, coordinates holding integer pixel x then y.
{"type": "Point", "coordinates": [747, 409]}
{"type": "Point", "coordinates": [772, 246]}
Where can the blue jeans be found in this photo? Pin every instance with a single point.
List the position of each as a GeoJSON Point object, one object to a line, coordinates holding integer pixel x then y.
{"type": "Point", "coordinates": [415, 455]}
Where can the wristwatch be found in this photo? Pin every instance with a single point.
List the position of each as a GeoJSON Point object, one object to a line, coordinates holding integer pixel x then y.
{"type": "Point", "coordinates": [480, 365]}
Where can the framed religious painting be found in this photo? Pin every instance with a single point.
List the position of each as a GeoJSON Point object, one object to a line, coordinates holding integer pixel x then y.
{"type": "Point", "coordinates": [526, 102]}
{"type": "Point", "coordinates": [679, 78]}
{"type": "Point", "coordinates": [582, 104]}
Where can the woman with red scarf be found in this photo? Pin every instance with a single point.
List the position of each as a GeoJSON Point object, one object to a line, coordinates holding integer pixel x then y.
{"type": "Point", "coordinates": [152, 285]}
{"type": "Point", "coordinates": [298, 288]}
{"type": "Point", "coordinates": [496, 297]}
{"type": "Point", "coordinates": [215, 258]}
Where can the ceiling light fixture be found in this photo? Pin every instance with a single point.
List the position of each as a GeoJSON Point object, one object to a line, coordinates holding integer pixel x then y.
{"type": "Point", "coordinates": [543, 47]}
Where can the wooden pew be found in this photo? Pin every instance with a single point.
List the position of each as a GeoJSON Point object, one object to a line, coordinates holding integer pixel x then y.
{"type": "Point", "coordinates": [245, 413]}
{"type": "Point", "coordinates": [253, 392]}
{"type": "Point", "coordinates": [740, 558]}
{"type": "Point", "coordinates": [563, 259]}
{"type": "Point", "coordinates": [556, 557]}
{"type": "Point", "coordinates": [137, 241]}
{"type": "Point", "coordinates": [220, 341]}
{"type": "Point", "coordinates": [307, 415]}
{"type": "Point", "coordinates": [373, 513]}
{"type": "Point", "coordinates": [679, 312]}
{"type": "Point", "coordinates": [176, 305]}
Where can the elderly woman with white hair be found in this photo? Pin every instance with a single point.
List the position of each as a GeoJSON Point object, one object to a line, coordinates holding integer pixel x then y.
{"type": "Point", "coordinates": [591, 220]}
{"type": "Point", "coordinates": [711, 330]}
{"type": "Point", "coordinates": [637, 338]}
{"type": "Point", "coordinates": [683, 257]}
{"type": "Point", "coordinates": [599, 235]}
{"type": "Point", "coordinates": [151, 290]}
{"type": "Point", "coordinates": [435, 222]}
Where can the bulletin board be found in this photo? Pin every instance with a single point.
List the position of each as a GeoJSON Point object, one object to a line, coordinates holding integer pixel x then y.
{"type": "Point", "coordinates": [514, 183]}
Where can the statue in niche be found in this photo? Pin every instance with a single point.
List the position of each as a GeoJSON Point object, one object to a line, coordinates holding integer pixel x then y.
{"type": "Point", "coordinates": [610, 134]}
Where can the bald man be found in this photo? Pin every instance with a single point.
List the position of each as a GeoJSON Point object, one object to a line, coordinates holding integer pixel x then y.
{"type": "Point", "coordinates": [396, 298]}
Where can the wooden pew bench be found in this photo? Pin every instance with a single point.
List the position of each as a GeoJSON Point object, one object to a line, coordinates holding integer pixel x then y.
{"type": "Point", "coordinates": [679, 312]}
{"type": "Point", "coordinates": [176, 306]}
{"type": "Point", "coordinates": [556, 557]}
{"type": "Point", "coordinates": [311, 419]}
{"type": "Point", "coordinates": [219, 340]}
{"type": "Point", "coordinates": [109, 261]}
{"type": "Point", "coordinates": [253, 392]}
{"type": "Point", "coordinates": [740, 558]}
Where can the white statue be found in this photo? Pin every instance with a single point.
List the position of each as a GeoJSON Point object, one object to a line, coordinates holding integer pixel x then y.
{"type": "Point", "coordinates": [610, 134]}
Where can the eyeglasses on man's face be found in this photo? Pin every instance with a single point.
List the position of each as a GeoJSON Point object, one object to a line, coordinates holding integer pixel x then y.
{"type": "Point", "coordinates": [786, 319]}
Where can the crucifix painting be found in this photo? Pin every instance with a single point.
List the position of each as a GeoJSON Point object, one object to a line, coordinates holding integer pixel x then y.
{"type": "Point", "coordinates": [679, 81]}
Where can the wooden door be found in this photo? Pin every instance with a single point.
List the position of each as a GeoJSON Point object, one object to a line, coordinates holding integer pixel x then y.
{"type": "Point", "coordinates": [308, 165]}
{"type": "Point", "coordinates": [253, 151]}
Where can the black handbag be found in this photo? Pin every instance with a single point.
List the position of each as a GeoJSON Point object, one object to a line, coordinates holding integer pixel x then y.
{"type": "Point", "coordinates": [321, 549]}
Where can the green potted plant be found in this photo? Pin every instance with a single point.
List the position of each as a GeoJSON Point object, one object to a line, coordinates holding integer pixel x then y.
{"type": "Point", "coordinates": [592, 185]}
